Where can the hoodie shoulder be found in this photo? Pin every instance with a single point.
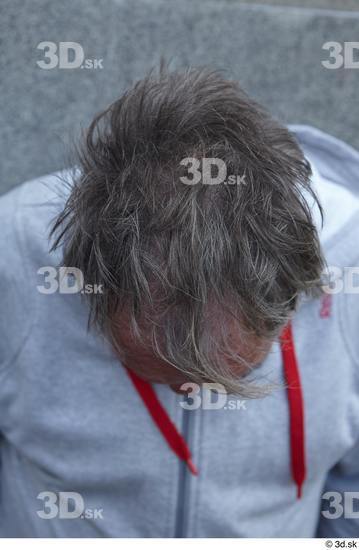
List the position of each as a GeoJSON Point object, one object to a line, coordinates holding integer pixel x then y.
{"type": "Point", "coordinates": [26, 214]}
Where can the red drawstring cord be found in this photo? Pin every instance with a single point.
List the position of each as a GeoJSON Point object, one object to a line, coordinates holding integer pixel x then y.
{"type": "Point", "coordinates": [296, 413]}
{"type": "Point", "coordinates": [169, 431]}
{"type": "Point", "coordinates": [296, 408]}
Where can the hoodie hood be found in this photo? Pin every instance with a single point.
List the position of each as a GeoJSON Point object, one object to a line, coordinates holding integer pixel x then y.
{"type": "Point", "coordinates": [335, 179]}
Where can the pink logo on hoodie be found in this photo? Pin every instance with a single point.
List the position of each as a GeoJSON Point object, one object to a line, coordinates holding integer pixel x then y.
{"type": "Point", "coordinates": [326, 305]}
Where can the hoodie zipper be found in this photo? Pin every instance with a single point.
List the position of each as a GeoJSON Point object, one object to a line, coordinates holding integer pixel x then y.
{"type": "Point", "coordinates": [183, 481]}
{"type": "Point", "coordinates": [177, 441]}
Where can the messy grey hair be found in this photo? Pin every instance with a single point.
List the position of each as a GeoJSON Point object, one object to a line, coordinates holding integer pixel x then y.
{"type": "Point", "coordinates": [189, 257]}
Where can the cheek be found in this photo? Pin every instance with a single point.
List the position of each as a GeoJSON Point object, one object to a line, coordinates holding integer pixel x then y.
{"type": "Point", "coordinates": [253, 351]}
{"type": "Point", "coordinates": [141, 359]}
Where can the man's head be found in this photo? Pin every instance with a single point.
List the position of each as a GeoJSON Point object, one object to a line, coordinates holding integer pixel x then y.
{"type": "Point", "coordinates": [198, 279]}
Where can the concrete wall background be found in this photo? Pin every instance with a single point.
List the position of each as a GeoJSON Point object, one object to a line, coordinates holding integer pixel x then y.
{"type": "Point", "coordinates": [324, 4]}
{"type": "Point", "coordinates": [274, 52]}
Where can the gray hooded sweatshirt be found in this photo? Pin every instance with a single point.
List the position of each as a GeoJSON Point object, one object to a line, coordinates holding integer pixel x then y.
{"type": "Point", "coordinates": [80, 453]}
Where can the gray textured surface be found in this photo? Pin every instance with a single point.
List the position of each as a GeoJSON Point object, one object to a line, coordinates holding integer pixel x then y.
{"type": "Point", "coordinates": [275, 53]}
{"type": "Point", "coordinates": [323, 4]}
